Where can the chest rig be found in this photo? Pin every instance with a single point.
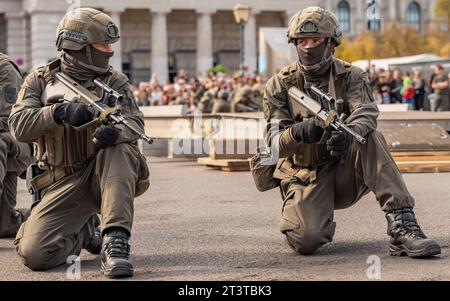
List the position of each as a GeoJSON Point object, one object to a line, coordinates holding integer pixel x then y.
{"type": "Point", "coordinates": [309, 157]}
{"type": "Point", "coordinates": [63, 147]}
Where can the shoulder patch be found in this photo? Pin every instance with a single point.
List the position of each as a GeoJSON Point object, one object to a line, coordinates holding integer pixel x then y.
{"type": "Point", "coordinates": [10, 94]}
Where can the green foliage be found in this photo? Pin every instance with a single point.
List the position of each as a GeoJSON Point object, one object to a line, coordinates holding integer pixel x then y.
{"type": "Point", "coordinates": [396, 40]}
{"type": "Point", "coordinates": [219, 69]}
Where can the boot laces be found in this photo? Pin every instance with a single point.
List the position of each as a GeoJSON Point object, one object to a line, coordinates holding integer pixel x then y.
{"type": "Point", "coordinates": [408, 227]}
{"type": "Point", "coordinates": [117, 247]}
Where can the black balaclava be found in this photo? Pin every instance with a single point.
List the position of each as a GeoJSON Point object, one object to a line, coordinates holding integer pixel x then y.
{"type": "Point", "coordinates": [316, 61]}
{"type": "Point", "coordinates": [86, 63]}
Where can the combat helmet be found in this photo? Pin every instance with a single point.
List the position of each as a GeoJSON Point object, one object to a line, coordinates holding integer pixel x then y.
{"type": "Point", "coordinates": [83, 26]}
{"type": "Point", "coordinates": [314, 22]}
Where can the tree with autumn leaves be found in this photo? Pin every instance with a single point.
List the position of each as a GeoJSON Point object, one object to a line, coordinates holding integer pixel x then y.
{"type": "Point", "coordinates": [401, 40]}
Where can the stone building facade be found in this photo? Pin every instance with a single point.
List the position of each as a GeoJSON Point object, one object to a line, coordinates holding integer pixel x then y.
{"type": "Point", "coordinates": [161, 36]}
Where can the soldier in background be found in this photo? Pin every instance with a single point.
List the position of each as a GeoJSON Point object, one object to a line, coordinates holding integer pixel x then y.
{"type": "Point", "coordinates": [206, 102]}
{"type": "Point", "coordinates": [221, 103]}
{"type": "Point", "coordinates": [75, 177]}
{"type": "Point", "coordinates": [244, 101]}
{"type": "Point", "coordinates": [14, 156]}
{"type": "Point", "coordinates": [320, 171]}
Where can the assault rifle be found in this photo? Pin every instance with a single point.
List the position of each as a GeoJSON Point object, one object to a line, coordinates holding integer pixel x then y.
{"type": "Point", "coordinates": [63, 88]}
{"type": "Point", "coordinates": [325, 110]}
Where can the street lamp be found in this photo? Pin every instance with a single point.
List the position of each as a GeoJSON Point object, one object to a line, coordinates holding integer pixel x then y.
{"type": "Point", "coordinates": [241, 15]}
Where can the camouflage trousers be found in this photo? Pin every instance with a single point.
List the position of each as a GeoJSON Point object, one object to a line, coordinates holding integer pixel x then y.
{"type": "Point", "coordinates": [307, 216]}
{"type": "Point", "coordinates": [14, 159]}
{"type": "Point", "coordinates": [106, 186]}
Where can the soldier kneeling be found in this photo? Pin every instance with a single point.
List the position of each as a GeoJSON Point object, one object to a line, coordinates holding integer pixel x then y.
{"type": "Point", "coordinates": [75, 177]}
{"type": "Point", "coordinates": [323, 171]}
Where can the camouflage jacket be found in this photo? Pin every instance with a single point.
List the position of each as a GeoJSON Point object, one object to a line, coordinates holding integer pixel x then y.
{"type": "Point", "coordinates": [351, 85]}
{"type": "Point", "coordinates": [30, 119]}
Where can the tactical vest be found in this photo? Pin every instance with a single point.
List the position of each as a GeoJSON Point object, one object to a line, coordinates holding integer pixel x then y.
{"type": "Point", "coordinates": [310, 156]}
{"type": "Point", "coordinates": [63, 146]}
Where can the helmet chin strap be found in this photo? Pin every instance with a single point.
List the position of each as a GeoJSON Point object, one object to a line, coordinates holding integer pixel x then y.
{"type": "Point", "coordinates": [327, 56]}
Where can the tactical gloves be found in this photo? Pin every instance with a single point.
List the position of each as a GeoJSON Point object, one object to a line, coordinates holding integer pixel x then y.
{"type": "Point", "coordinates": [307, 131]}
{"type": "Point", "coordinates": [339, 143]}
{"type": "Point", "coordinates": [75, 114]}
{"type": "Point", "coordinates": [105, 136]}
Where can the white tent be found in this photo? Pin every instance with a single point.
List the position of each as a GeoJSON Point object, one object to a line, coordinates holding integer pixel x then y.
{"type": "Point", "coordinates": [386, 63]}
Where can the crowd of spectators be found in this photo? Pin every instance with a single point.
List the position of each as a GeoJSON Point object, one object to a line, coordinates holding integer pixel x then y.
{"type": "Point", "coordinates": [411, 88]}
{"type": "Point", "coordinates": [213, 93]}
{"type": "Point", "coordinates": [243, 91]}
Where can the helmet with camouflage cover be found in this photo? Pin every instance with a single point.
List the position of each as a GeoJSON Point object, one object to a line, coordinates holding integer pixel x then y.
{"type": "Point", "coordinates": [314, 22]}
{"type": "Point", "coordinates": [84, 26]}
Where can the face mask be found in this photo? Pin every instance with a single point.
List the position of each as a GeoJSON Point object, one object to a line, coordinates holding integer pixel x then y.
{"type": "Point", "coordinates": [86, 63]}
{"type": "Point", "coordinates": [100, 58]}
{"type": "Point", "coordinates": [311, 56]}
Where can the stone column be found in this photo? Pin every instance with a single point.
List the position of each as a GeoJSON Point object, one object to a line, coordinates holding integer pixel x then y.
{"type": "Point", "coordinates": [250, 52]}
{"type": "Point", "coordinates": [204, 41]}
{"type": "Point", "coordinates": [43, 36]}
{"type": "Point", "coordinates": [17, 39]}
{"type": "Point", "coordinates": [403, 6]}
{"type": "Point", "coordinates": [353, 16]}
{"type": "Point", "coordinates": [361, 17]}
{"type": "Point", "coordinates": [431, 5]}
{"type": "Point", "coordinates": [392, 11]}
{"type": "Point", "coordinates": [116, 60]}
{"type": "Point", "coordinates": [159, 48]}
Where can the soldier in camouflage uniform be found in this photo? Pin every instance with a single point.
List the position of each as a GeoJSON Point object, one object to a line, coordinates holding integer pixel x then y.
{"type": "Point", "coordinates": [76, 177]}
{"type": "Point", "coordinates": [221, 104]}
{"type": "Point", "coordinates": [321, 171]}
{"type": "Point", "coordinates": [14, 156]}
{"type": "Point", "coordinates": [244, 101]}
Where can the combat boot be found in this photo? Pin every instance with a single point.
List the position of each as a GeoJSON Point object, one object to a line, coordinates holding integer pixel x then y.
{"type": "Point", "coordinates": [92, 236]}
{"type": "Point", "coordinates": [115, 254]}
{"type": "Point", "coordinates": [407, 237]}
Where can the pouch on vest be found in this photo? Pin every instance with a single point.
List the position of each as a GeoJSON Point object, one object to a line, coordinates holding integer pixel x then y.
{"type": "Point", "coordinates": [262, 166]}
{"type": "Point", "coordinates": [286, 171]}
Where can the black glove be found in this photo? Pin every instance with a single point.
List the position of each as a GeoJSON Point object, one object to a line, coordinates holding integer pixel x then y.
{"type": "Point", "coordinates": [339, 143]}
{"type": "Point", "coordinates": [75, 114]}
{"type": "Point", "coordinates": [105, 136]}
{"type": "Point", "coordinates": [307, 131]}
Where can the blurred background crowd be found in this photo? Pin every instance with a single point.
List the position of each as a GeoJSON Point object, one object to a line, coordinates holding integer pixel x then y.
{"type": "Point", "coordinates": [213, 93]}
{"type": "Point", "coordinates": [410, 87]}
{"type": "Point", "coordinates": [243, 91]}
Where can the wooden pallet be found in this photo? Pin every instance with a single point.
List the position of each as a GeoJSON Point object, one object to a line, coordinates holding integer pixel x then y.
{"type": "Point", "coordinates": [407, 162]}
{"type": "Point", "coordinates": [228, 165]}
{"type": "Point", "coordinates": [422, 162]}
